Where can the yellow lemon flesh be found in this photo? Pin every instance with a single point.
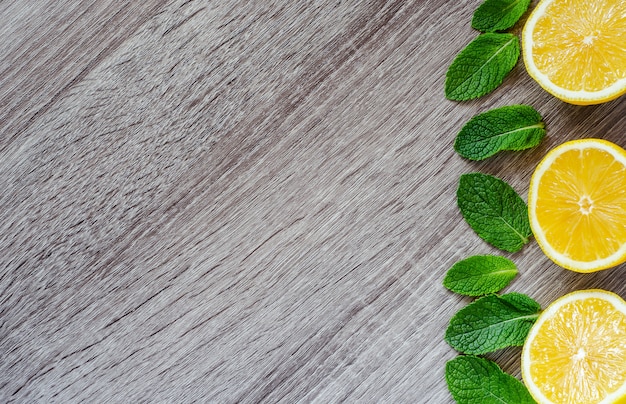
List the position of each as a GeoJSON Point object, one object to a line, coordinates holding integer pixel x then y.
{"type": "Point", "coordinates": [576, 49]}
{"type": "Point", "coordinates": [575, 353]}
{"type": "Point", "coordinates": [577, 205]}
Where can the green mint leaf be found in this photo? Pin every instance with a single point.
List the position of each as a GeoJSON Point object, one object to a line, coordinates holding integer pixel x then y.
{"type": "Point", "coordinates": [482, 66]}
{"type": "Point", "coordinates": [492, 322]}
{"type": "Point", "coordinates": [498, 15]}
{"type": "Point", "coordinates": [480, 275]}
{"type": "Point", "coordinates": [494, 211]}
{"type": "Point", "coordinates": [473, 380]}
{"type": "Point", "coordinates": [514, 127]}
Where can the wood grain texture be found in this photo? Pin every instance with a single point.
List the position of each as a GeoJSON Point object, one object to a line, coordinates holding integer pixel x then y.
{"type": "Point", "coordinates": [245, 201]}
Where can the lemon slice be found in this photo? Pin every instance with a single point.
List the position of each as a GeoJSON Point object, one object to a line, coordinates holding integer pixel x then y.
{"type": "Point", "coordinates": [576, 49]}
{"type": "Point", "coordinates": [575, 353]}
{"type": "Point", "coordinates": [577, 205]}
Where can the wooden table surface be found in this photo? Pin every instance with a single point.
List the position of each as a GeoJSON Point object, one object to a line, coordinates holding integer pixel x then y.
{"type": "Point", "coordinates": [246, 201]}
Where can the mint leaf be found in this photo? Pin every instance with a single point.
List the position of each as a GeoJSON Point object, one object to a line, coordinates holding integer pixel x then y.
{"type": "Point", "coordinates": [473, 380]}
{"type": "Point", "coordinates": [492, 322]}
{"type": "Point", "coordinates": [514, 127]}
{"type": "Point", "coordinates": [494, 211]}
{"type": "Point", "coordinates": [482, 66]}
{"type": "Point", "coordinates": [498, 15]}
{"type": "Point", "coordinates": [480, 275]}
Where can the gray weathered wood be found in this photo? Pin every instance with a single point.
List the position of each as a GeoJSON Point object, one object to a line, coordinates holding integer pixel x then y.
{"type": "Point", "coordinates": [244, 201]}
